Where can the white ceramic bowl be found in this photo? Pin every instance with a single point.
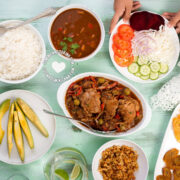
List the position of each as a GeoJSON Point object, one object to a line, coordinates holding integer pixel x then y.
{"type": "Point", "coordinates": [78, 6]}
{"type": "Point", "coordinates": [140, 174]}
{"type": "Point", "coordinates": [42, 56]}
{"type": "Point", "coordinates": [61, 94]}
{"type": "Point", "coordinates": [124, 70]}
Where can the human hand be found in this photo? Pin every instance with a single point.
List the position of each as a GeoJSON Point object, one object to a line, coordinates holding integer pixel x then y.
{"type": "Point", "coordinates": [174, 19]}
{"type": "Point", "coordinates": [123, 8]}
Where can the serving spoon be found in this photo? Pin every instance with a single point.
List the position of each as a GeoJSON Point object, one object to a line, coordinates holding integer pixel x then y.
{"type": "Point", "coordinates": [87, 125]}
{"type": "Point", "coordinates": [48, 12]}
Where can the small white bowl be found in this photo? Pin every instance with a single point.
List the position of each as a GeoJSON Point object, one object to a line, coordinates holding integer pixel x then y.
{"type": "Point", "coordinates": [78, 6]}
{"type": "Point", "coordinates": [42, 56]}
{"type": "Point", "coordinates": [124, 70]}
{"type": "Point", "coordinates": [61, 94]}
{"type": "Point", "coordinates": [140, 174]}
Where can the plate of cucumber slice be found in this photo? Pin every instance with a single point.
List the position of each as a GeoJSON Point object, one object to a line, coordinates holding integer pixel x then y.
{"type": "Point", "coordinates": [142, 69]}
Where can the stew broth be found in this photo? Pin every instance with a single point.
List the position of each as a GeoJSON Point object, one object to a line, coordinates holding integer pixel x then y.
{"type": "Point", "coordinates": [77, 32]}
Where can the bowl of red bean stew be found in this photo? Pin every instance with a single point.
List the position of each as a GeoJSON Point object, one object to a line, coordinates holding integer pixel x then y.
{"type": "Point", "coordinates": [78, 31]}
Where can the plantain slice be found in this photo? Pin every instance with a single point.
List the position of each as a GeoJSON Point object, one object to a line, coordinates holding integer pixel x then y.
{"type": "Point", "coordinates": [10, 129]}
{"type": "Point", "coordinates": [25, 126]}
{"type": "Point", "coordinates": [3, 109]}
{"type": "Point", "coordinates": [18, 136]}
{"type": "Point", "coordinates": [176, 127]}
{"type": "Point", "coordinates": [169, 157]}
{"type": "Point", "coordinates": [31, 115]}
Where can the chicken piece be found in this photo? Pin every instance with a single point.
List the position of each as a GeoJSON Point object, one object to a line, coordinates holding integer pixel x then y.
{"type": "Point", "coordinates": [110, 105]}
{"type": "Point", "coordinates": [127, 108]}
{"type": "Point", "coordinates": [90, 101]}
{"type": "Point", "coordinates": [87, 84]}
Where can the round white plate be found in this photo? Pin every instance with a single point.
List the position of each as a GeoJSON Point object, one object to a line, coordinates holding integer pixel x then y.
{"type": "Point", "coordinates": [124, 70]}
{"type": "Point", "coordinates": [168, 143]}
{"type": "Point", "coordinates": [142, 171]}
{"type": "Point", "coordinates": [41, 143]}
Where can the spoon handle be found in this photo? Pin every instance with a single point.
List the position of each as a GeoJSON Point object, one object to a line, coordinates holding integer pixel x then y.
{"type": "Point", "coordinates": [49, 112]}
{"type": "Point", "coordinates": [48, 12]}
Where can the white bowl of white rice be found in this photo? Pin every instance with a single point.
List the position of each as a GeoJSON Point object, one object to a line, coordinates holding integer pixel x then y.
{"type": "Point", "coordinates": [22, 52]}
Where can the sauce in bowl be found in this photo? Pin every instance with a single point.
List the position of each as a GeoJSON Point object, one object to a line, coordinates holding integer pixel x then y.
{"type": "Point", "coordinates": [77, 32]}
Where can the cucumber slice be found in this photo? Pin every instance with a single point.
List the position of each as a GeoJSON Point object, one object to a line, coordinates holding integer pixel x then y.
{"type": "Point", "coordinates": [145, 70]}
{"type": "Point", "coordinates": [138, 74]}
{"type": "Point", "coordinates": [142, 61]}
{"type": "Point", "coordinates": [154, 75]}
{"type": "Point", "coordinates": [133, 68]}
{"type": "Point", "coordinates": [155, 66]}
{"type": "Point", "coordinates": [144, 77]}
{"type": "Point", "coordinates": [163, 68]}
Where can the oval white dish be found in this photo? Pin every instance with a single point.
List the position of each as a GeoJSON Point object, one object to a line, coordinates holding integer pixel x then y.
{"type": "Point", "coordinates": [146, 108]}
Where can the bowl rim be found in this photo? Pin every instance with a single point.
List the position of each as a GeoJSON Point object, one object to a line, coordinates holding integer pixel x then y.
{"type": "Point", "coordinates": [135, 79]}
{"type": "Point", "coordinates": [147, 113]}
{"type": "Point", "coordinates": [43, 54]}
{"type": "Point", "coordinates": [79, 6]}
{"type": "Point", "coordinates": [110, 144]}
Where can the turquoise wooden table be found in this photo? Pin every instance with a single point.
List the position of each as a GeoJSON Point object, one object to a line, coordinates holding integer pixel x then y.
{"type": "Point", "coordinates": [149, 138]}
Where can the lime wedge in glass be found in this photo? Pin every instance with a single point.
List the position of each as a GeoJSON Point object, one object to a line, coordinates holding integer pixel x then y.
{"type": "Point", "coordinates": [61, 174]}
{"type": "Point", "coordinates": [75, 172]}
{"type": "Point", "coordinates": [73, 150]}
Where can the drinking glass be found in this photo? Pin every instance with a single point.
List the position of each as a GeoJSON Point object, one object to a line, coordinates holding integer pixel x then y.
{"type": "Point", "coordinates": [64, 161]}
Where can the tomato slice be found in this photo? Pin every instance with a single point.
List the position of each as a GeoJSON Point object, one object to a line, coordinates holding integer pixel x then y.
{"type": "Point", "coordinates": [125, 32]}
{"type": "Point", "coordinates": [123, 62]}
{"type": "Point", "coordinates": [120, 43]}
{"type": "Point", "coordinates": [123, 53]}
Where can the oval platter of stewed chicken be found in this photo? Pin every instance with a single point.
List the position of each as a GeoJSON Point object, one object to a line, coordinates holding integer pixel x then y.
{"type": "Point", "coordinates": [168, 163]}
{"type": "Point", "coordinates": [105, 103]}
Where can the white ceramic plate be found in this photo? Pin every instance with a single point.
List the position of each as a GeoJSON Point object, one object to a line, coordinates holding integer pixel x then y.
{"type": "Point", "coordinates": [168, 143]}
{"type": "Point", "coordinates": [43, 55]}
{"type": "Point", "coordinates": [140, 174]}
{"type": "Point", "coordinates": [124, 70]}
{"type": "Point", "coordinates": [41, 143]}
{"type": "Point", "coordinates": [61, 94]}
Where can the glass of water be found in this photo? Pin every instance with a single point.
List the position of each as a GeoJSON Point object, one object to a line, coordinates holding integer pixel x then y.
{"type": "Point", "coordinates": [67, 164]}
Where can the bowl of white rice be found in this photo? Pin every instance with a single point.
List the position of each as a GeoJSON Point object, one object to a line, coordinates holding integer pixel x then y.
{"type": "Point", "coordinates": [22, 53]}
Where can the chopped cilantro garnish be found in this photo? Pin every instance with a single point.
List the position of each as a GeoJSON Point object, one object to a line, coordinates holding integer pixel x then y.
{"type": "Point", "coordinates": [72, 51]}
{"type": "Point", "coordinates": [64, 48]}
{"type": "Point", "coordinates": [69, 39]}
{"type": "Point", "coordinates": [75, 46]}
{"type": "Point", "coordinates": [63, 43]}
